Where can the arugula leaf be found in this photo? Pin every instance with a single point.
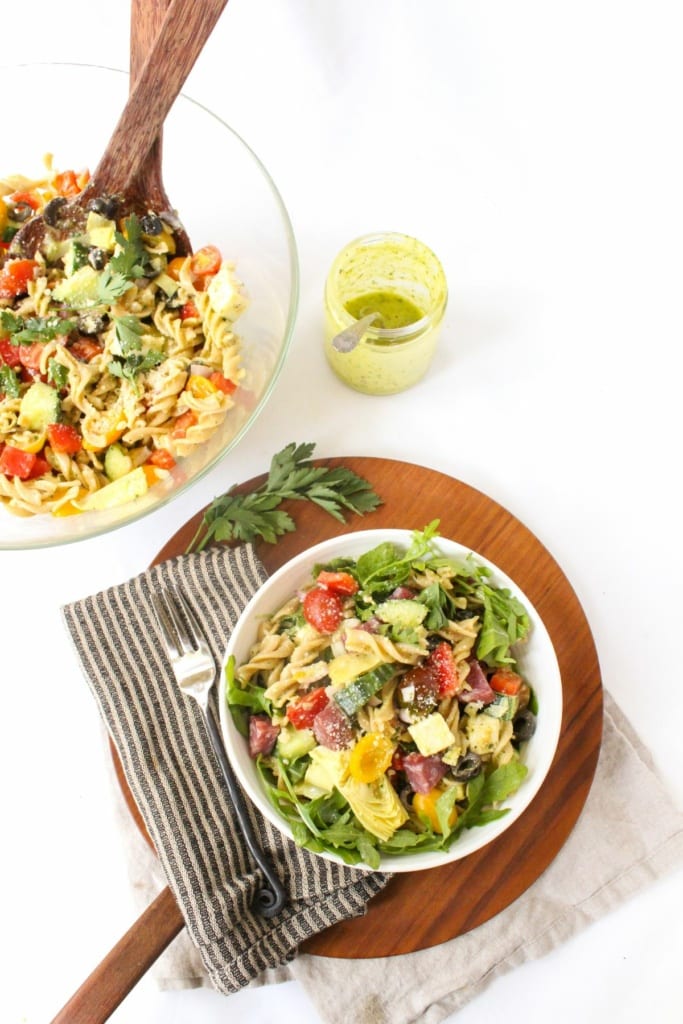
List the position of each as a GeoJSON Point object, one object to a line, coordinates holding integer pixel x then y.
{"type": "Point", "coordinates": [257, 514]}
{"type": "Point", "coordinates": [385, 567]}
{"type": "Point", "coordinates": [504, 622]}
{"type": "Point", "coordinates": [9, 382]}
{"type": "Point", "coordinates": [243, 701]}
{"type": "Point", "coordinates": [485, 790]}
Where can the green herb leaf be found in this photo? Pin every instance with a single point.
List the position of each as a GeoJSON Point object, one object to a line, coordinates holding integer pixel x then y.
{"type": "Point", "coordinates": [57, 373]}
{"type": "Point", "coordinates": [9, 382]}
{"type": "Point", "coordinates": [129, 331]}
{"type": "Point", "coordinates": [29, 330]}
{"type": "Point", "coordinates": [111, 286]}
{"type": "Point", "coordinates": [246, 517]}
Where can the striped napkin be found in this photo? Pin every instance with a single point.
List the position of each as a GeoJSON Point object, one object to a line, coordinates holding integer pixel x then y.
{"type": "Point", "coordinates": [176, 781]}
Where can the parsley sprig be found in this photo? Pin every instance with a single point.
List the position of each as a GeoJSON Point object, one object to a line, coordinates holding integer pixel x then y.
{"type": "Point", "coordinates": [28, 330]}
{"type": "Point", "coordinates": [131, 262]}
{"type": "Point", "coordinates": [132, 361]}
{"type": "Point", "coordinates": [292, 475]}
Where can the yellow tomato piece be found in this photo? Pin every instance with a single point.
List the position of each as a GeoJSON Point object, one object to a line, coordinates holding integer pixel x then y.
{"type": "Point", "coordinates": [424, 804]}
{"type": "Point", "coordinates": [101, 441]}
{"type": "Point", "coordinates": [201, 387]}
{"type": "Point", "coordinates": [29, 440]}
{"type": "Point", "coordinates": [3, 215]}
{"type": "Point", "coordinates": [370, 757]}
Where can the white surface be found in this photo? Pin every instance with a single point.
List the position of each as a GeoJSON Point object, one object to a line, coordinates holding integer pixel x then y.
{"type": "Point", "coordinates": [536, 148]}
{"type": "Point", "coordinates": [537, 661]}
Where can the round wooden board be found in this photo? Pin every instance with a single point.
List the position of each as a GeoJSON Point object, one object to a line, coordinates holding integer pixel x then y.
{"type": "Point", "coordinates": [424, 908]}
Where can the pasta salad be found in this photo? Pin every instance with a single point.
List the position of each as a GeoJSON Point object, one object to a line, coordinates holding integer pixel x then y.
{"type": "Point", "coordinates": [383, 704]}
{"type": "Point", "coordinates": [117, 357]}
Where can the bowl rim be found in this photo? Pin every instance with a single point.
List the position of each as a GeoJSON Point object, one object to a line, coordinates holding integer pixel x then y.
{"type": "Point", "coordinates": [471, 840]}
{"type": "Point", "coordinates": [137, 514]}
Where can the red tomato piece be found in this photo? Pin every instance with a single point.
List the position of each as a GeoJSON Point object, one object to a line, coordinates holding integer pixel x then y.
{"type": "Point", "coordinates": [15, 462]}
{"type": "Point", "coordinates": [441, 663]}
{"type": "Point", "coordinates": [183, 423]}
{"type": "Point", "coordinates": [505, 681]}
{"type": "Point", "coordinates": [162, 458]}
{"type": "Point", "coordinates": [66, 184]}
{"type": "Point", "coordinates": [15, 276]}
{"type": "Point", "coordinates": [338, 582]}
{"type": "Point", "coordinates": [40, 467]}
{"type": "Point", "coordinates": [85, 349]}
{"type": "Point", "coordinates": [222, 383]}
{"type": "Point", "coordinates": [322, 609]}
{"type": "Point", "coordinates": [302, 710]}
{"type": "Point", "coordinates": [9, 353]}
{"type": "Point", "coordinates": [30, 355]}
{"type": "Point", "coordinates": [64, 438]}
{"type": "Point", "coordinates": [29, 198]}
{"type": "Point", "coordinates": [189, 311]}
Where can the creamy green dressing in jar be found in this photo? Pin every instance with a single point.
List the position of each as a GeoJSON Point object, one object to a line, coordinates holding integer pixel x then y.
{"type": "Point", "coordinates": [401, 280]}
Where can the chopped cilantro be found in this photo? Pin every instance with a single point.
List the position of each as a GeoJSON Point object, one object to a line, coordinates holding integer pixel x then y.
{"type": "Point", "coordinates": [34, 328]}
{"type": "Point", "coordinates": [57, 373]}
{"type": "Point", "coordinates": [129, 330]}
{"type": "Point", "coordinates": [9, 382]}
{"type": "Point", "coordinates": [129, 263]}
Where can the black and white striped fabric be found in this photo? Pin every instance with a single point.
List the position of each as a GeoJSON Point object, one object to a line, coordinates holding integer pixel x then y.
{"type": "Point", "coordinates": [176, 781]}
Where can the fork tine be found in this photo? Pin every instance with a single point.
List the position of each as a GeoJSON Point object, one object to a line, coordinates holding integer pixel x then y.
{"type": "Point", "coordinates": [195, 629]}
{"type": "Point", "coordinates": [172, 626]}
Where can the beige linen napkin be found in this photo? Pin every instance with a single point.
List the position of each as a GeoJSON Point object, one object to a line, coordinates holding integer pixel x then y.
{"type": "Point", "coordinates": [629, 834]}
{"type": "Point", "coordinates": [174, 775]}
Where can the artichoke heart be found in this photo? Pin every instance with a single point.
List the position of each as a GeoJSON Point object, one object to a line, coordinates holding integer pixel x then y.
{"type": "Point", "coordinates": [375, 804]}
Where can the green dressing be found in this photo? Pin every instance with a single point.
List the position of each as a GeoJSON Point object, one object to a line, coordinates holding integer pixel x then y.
{"type": "Point", "coordinates": [394, 310]}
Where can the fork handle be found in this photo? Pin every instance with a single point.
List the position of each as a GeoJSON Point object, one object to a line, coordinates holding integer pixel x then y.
{"type": "Point", "coordinates": [271, 897]}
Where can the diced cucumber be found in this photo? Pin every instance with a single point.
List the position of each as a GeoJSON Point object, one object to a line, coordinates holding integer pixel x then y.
{"type": "Point", "coordinates": [504, 707]}
{"type": "Point", "coordinates": [117, 461]}
{"type": "Point", "coordinates": [81, 289]}
{"type": "Point", "coordinates": [401, 612]}
{"type": "Point", "coordinates": [294, 743]}
{"type": "Point", "coordinates": [39, 406]}
{"type": "Point", "coordinates": [354, 696]}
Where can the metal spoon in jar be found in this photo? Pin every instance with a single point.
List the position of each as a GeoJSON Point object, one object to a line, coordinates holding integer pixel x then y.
{"type": "Point", "coordinates": [347, 339]}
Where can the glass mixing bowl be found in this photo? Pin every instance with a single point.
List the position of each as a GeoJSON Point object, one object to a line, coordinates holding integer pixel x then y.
{"type": "Point", "coordinates": [224, 196]}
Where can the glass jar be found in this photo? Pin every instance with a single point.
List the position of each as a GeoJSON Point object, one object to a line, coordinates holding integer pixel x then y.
{"type": "Point", "coordinates": [399, 278]}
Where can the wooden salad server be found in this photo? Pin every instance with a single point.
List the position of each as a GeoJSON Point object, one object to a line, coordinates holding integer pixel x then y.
{"type": "Point", "coordinates": [185, 28]}
{"type": "Point", "coordinates": [148, 192]}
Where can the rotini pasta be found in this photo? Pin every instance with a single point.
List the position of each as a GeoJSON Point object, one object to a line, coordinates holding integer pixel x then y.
{"type": "Point", "coordinates": [117, 357]}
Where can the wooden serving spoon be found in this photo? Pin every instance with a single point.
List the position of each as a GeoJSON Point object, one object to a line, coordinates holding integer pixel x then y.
{"type": "Point", "coordinates": [148, 194]}
{"type": "Point", "coordinates": [184, 31]}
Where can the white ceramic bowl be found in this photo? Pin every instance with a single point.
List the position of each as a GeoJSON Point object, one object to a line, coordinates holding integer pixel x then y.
{"type": "Point", "coordinates": [536, 659]}
{"type": "Point", "coordinates": [224, 196]}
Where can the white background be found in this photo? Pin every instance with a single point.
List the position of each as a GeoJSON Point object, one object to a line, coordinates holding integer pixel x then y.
{"type": "Point", "coordinates": [536, 147]}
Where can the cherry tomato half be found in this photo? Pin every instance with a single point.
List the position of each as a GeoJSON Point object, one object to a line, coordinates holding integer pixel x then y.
{"type": "Point", "coordinates": [302, 710]}
{"type": "Point", "coordinates": [322, 609]}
